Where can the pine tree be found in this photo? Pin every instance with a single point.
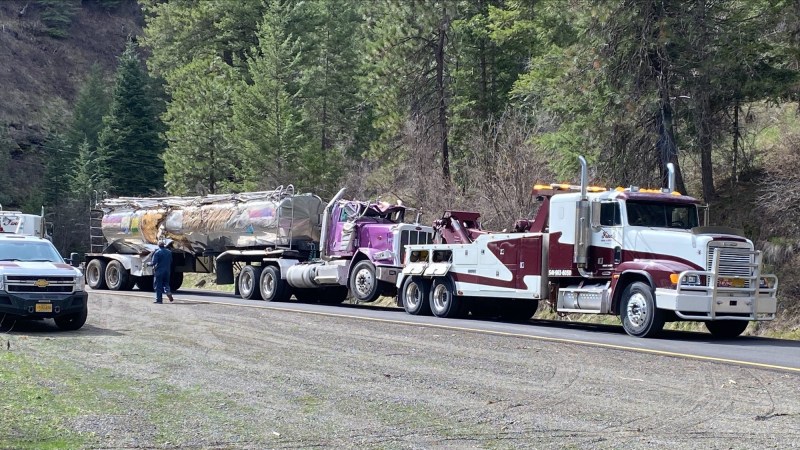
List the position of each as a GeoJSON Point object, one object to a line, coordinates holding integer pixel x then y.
{"type": "Point", "coordinates": [130, 145]}
{"type": "Point", "coordinates": [268, 124]}
{"type": "Point", "coordinates": [90, 107]}
{"type": "Point", "coordinates": [201, 157]}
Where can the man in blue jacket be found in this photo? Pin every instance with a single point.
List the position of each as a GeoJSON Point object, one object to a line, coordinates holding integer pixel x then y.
{"type": "Point", "coordinates": [162, 266]}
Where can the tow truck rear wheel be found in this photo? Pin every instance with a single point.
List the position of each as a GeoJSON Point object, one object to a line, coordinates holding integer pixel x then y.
{"type": "Point", "coordinates": [96, 274]}
{"type": "Point", "coordinates": [726, 329]}
{"type": "Point", "coordinates": [117, 277]}
{"type": "Point", "coordinates": [443, 301]}
{"type": "Point", "coordinates": [638, 311]}
{"type": "Point", "coordinates": [364, 283]}
{"type": "Point", "coordinates": [415, 293]}
{"type": "Point", "coordinates": [273, 288]}
{"type": "Point", "coordinates": [249, 283]}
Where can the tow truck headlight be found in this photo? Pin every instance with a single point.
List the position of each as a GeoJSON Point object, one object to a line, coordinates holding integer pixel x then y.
{"type": "Point", "coordinates": [80, 283]}
{"type": "Point", "coordinates": [764, 283]}
{"type": "Point", "coordinates": [688, 280]}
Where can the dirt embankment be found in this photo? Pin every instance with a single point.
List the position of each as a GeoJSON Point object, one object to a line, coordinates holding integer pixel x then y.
{"type": "Point", "coordinates": [191, 375]}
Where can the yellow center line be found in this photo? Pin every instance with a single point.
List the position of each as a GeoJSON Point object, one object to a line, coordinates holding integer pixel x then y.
{"type": "Point", "coordinates": [509, 334]}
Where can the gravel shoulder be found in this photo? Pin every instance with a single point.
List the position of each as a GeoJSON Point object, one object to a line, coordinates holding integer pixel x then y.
{"type": "Point", "coordinates": [197, 375]}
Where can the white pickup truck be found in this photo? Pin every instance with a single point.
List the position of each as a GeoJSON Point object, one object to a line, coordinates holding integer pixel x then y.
{"type": "Point", "coordinates": [36, 283]}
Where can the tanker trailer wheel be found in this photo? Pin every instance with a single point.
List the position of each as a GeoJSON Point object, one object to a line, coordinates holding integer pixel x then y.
{"type": "Point", "coordinates": [414, 292]}
{"type": "Point", "coordinates": [146, 283]}
{"type": "Point", "coordinates": [363, 282]}
{"type": "Point", "coordinates": [96, 274]}
{"type": "Point", "coordinates": [726, 329]}
{"type": "Point", "coordinates": [638, 311]}
{"type": "Point", "coordinates": [249, 288]}
{"type": "Point", "coordinates": [273, 287]}
{"type": "Point", "coordinates": [117, 278]}
{"type": "Point", "coordinates": [443, 301]}
{"type": "Point", "coordinates": [175, 281]}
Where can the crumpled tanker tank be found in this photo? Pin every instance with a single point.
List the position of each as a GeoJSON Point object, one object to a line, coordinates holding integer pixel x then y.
{"type": "Point", "coordinates": [215, 223]}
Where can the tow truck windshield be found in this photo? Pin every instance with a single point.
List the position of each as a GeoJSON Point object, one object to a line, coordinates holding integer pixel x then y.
{"type": "Point", "coordinates": [661, 215]}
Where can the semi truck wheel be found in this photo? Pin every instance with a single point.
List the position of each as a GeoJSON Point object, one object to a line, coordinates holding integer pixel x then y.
{"type": "Point", "coordinates": [638, 311]}
{"type": "Point", "coordinates": [415, 293]}
{"type": "Point", "coordinates": [363, 282]}
{"type": "Point", "coordinates": [71, 322]}
{"type": "Point", "coordinates": [249, 283]}
{"type": "Point", "coordinates": [273, 288]}
{"type": "Point", "coordinates": [726, 329]}
{"type": "Point", "coordinates": [117, 277]}
{"type": "Point", "coordinates": [175, 281]}
{"type": "Point", "coordinates": [443, 301]}
{"type": "Point", "coordinates": [96, 274]}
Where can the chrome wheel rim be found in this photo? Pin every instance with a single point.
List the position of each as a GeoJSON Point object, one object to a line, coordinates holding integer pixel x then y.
{"type": "Point", "coordinates": [364, 282]}
{"type": "Point", "coordinates": [113, 276]}
{"type": "Point", "coordinates": [93, 275]}
{"type": "Point", "coordinates": [246, 284]}
{"type": "Point", "coordinates": [413, 296]}
{"type": "Point", "coordinates": [441, 297]}
{"type": "Point", "coordinates": [636, 312]}
{"type": "Point", "coordinates": [267, 284]}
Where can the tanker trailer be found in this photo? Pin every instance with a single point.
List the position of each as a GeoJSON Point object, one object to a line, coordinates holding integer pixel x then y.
{"type": "Point", "coordinates": [197, 229]}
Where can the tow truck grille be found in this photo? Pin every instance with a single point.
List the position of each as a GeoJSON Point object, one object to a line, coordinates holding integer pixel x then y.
{"type": "Point", "coordinates": [733, 262]}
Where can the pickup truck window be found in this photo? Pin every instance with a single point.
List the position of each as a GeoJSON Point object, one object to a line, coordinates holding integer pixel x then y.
{"type": "Point", "coordinates": [28, 251]}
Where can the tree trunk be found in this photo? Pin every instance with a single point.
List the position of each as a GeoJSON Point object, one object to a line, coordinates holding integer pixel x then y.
{"type": "Point", "coordinates": [441, 88]}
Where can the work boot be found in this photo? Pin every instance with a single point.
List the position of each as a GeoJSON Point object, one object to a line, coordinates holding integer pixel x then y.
{"type": "Point", "coordinates": [169, 296]}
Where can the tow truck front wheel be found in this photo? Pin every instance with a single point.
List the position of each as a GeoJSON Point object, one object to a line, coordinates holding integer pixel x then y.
{"type": "Point", "coordinates": [638, 311]}
{"type": "Point", "coordinates": [726, 329]}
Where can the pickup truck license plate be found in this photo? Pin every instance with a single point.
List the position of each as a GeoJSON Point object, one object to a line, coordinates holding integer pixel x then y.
{"type": "Point", "coordinates": [44, 307]}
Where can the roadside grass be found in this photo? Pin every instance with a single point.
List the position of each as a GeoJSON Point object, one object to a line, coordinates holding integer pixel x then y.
{"type": "Point", "coordinates": [56, 404]}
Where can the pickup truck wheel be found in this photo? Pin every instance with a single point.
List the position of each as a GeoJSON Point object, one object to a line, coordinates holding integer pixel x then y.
{"type": "Point", "coordinates": [415, 293]}
{"type": "Point", "coordinates": [726, 329]}
{"type": "Point", "coordinates": [96, 274]}
{"type": "Point", "coordinates": [638, 311]}
{"type": "Point", "coordinates": [117, 277]}
{"type": "Point", "coordinates": [146, 283]}
{"type": "Point", "coordinates": [71, 322]}
{"type": "Point", "coordinates": [363, 282]}
{"type": "Point", "coordinates": [443, 301]}
{"type": "Point", "coordinates": [249, 283]}
{"type": "Point", "coordinates": [273, 288]}
{"type": "Point", "coordinates": [175, 281]}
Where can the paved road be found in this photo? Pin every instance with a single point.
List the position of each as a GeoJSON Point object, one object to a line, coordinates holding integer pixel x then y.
{"type": "Point", "coordinates": [748, 351]}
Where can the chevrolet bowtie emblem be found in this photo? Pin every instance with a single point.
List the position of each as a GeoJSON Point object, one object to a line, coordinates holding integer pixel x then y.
{"type": "Point", "coordinates": [41, 283]}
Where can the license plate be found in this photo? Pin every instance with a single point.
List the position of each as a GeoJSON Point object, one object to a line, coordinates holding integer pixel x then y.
{"type": "Point", "coordinates": [730, 282]}
{"type": "Point", "coordinates": [44, 308]}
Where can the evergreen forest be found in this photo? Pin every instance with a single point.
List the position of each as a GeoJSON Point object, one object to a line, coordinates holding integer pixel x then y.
{"type": "Point", "coordinates": [441, 104]}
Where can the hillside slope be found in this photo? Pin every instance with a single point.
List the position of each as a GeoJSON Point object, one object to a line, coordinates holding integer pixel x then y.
{"type": "Point", "coordinates": [41, 75]}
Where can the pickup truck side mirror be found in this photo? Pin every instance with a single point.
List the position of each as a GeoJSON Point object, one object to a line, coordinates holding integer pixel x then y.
{"type": "Point", "coordinates": [74, 259]}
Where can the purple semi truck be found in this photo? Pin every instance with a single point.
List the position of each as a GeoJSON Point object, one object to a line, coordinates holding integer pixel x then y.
{"type": "Point", "coordinates": [271, 245]}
